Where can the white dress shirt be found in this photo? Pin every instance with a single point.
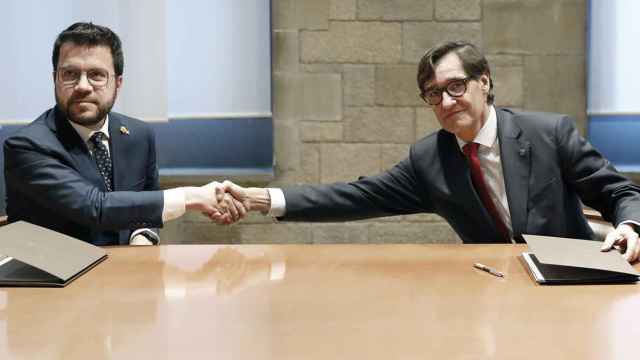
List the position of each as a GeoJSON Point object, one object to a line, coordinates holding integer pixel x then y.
{"type": "Point", "coordinates": [174, 199]}
{"type": "Point", "coordinates": [491, 165]}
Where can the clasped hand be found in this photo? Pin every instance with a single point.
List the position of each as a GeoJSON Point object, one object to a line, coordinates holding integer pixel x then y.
{"type": "Point", "coordinates": [212, 201]}
{"type": "Point", "coordinates": [226, 203]}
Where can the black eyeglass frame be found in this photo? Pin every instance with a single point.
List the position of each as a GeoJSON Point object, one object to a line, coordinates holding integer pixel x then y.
{"type": "Point", "coordinates": [464, 81]}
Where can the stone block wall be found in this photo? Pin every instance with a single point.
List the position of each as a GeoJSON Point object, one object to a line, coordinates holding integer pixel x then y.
{"type": "Point", "coordinates": [346, 102]}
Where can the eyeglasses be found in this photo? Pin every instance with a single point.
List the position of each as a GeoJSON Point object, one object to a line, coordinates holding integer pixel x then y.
{"type": "Point", "coordinates": [98, 78]}
{"type": "Point", "coordinates": [455, 88]}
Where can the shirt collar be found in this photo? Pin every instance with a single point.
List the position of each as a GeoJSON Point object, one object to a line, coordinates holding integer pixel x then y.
{"type": "Point", "coordinates": [86, 133]}
{"type": "Point", "coordinates": [488, 133]}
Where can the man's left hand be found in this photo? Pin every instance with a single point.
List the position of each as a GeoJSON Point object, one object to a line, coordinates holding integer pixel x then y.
{"type": "Point", "coordinates": [624, 237]}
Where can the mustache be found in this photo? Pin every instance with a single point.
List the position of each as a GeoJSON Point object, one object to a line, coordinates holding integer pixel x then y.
{"type": "Point", "coordinates": [75, 101]}
{"type": "Point", "coordinates": [81, 98]}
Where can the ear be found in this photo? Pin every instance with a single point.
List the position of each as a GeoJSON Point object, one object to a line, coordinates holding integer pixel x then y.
{"type": "Point", "coordinates": [118, 86]}
{"type": "Point", "coordinates": [485, 82]}
{"type": "Point", "coordinates": [119, 81]}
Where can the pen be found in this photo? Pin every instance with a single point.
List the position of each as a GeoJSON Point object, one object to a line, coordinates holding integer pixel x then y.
{"type": "Point", "coordinates": [491, 271]}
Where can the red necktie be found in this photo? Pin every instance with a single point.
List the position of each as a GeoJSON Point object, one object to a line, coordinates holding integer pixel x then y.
{"type": "Point", "coordinates": [471, 151]}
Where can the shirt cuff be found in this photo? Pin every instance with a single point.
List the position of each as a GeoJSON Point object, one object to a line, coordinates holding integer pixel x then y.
{"type": "Point", "coordinates": [278, 204]}
{"type": "Point", "coordinates": [174, 204]}
{"type": "Point", "coordinates": [148, 237]}
{"type": "Point", "coordinates": [636, 224]}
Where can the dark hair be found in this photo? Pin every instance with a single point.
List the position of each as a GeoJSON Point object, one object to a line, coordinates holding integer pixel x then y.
{"type": "Point", "coordinates": [473, 62]}
{"type": "Point", "coordinates": [82, 33]}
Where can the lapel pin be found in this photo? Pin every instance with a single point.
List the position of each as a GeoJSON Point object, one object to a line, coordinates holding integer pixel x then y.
{"type": "Point", "coordinates": [522, 152]}
{"type": "Point", "coordinates": [124, 130]}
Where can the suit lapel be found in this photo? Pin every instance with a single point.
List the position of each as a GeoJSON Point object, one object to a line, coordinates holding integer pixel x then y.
{"type": "Point", "coordinates": [118, 144]}
{"type": "Point", "coordinates": [515, 153]}
{"type": "Point", "coordinates": [77, 149]}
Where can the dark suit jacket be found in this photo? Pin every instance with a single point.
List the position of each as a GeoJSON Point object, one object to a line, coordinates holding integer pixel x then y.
{"type": "Point", "coordinates": [53, 181]}
{"type": "Point", "coordinates": [547, 166]}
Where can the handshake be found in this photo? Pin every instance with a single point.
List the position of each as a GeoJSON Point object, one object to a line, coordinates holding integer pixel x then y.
{"type": "Point", "coordinates": [226, 202]}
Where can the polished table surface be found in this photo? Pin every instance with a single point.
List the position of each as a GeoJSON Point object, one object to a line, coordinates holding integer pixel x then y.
{"type": "Point", "coordinates": [317, 302]}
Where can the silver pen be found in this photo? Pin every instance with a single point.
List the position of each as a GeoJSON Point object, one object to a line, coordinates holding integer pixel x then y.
{"type": "Point", "coordinates": [491, 271]}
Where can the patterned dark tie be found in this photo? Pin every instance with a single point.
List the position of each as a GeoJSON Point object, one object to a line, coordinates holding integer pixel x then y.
{"type": "Point", "coordinates": [471, 151]}
{"type": "Point", "coordinates": [101, 155]}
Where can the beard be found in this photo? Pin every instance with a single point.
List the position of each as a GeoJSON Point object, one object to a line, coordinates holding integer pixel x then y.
{"type": "Point", "coordinates": [85, 118]}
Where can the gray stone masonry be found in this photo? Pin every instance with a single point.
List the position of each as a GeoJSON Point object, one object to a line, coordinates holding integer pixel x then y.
{"type": "Point", "coordinates": [345, 99]}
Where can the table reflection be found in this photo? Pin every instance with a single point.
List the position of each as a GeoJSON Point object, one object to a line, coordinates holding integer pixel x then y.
{"type": "Point", "coordinates": [94, 314]}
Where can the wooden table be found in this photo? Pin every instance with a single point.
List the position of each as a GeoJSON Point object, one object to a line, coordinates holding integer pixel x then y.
{"type": "Point", "coordinates": [317, 302]}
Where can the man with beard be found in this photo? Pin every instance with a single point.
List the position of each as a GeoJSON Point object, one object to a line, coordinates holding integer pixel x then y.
{"type": "Point", "coordinates": [85, 171]}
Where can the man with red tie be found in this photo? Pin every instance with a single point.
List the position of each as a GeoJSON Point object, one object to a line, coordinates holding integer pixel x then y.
{"type": "Point", "coordinates": [492, 173]}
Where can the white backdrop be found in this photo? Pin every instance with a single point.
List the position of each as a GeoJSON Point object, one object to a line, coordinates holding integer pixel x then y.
{"type": "Point", "coordinates": [219, 58]}
{"type": "Point", "coordinates": [614, 57]}
{"type": "Point", "coordinates": [183, 58]}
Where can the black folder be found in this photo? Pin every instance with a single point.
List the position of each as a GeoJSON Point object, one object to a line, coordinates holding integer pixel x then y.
{"type": "Point", "coordinates": [557, 260]}
{"type": "Point", "coordinates": [32, 255]}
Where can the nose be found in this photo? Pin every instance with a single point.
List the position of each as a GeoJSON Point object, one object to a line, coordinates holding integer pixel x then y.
{"type": "Point", "coordinates": [447, 100]}
{"type": "Point", "coordinates": [83, 83]}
